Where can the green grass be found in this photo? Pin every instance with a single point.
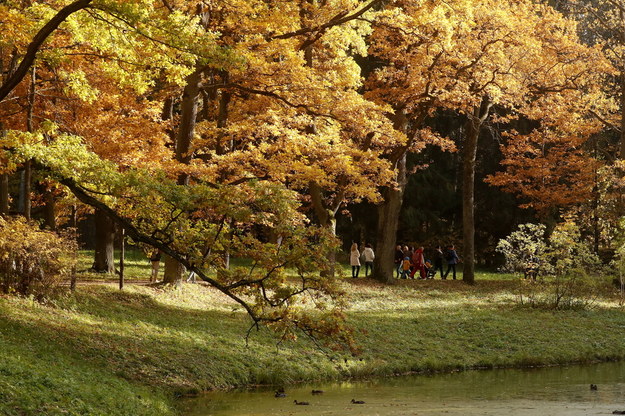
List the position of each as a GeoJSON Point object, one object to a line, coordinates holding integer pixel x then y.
{"type": "Point", "coordinates": [106, 352]}
{"type": "Point", "coordinates": [137, 266]}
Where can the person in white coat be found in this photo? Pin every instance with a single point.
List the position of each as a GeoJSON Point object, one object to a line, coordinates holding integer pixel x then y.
{"type": "Point", "coordinates": [368, 256]}
{"type": "Point", "coordinates": [354, 260]}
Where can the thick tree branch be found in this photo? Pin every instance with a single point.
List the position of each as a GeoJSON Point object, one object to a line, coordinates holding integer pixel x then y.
{"type": "Point", "coordinates": [306, 108]}
{"type": "Point", "coordinates": [606, 122]}
{"type": "Point", "coordinates": [339, 19]}
{"type": "Point", "coordinates": [35, 45]}
{"type": "Point", "coordinates": [138, 236]}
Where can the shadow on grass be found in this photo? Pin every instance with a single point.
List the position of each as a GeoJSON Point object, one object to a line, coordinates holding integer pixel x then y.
{"type": "Point", "coordinates": [196, 342]}
{"type": "Point", "coordinates": [135, 337]}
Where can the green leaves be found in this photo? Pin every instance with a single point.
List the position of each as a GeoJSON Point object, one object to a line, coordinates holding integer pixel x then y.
{"type": "Point", "coordinates": [198, 223]}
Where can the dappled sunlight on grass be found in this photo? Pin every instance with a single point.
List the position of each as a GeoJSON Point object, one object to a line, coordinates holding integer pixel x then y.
{"type": "Point", "coordinates": [194, 337]}
{"type": "Point", "coordinates": [367, 295]}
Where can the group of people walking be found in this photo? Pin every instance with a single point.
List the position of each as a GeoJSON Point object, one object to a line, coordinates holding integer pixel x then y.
{"type": "Point", "coordinates": [367, 257]}
{"type": "Point", "coordinates": [408, 261]}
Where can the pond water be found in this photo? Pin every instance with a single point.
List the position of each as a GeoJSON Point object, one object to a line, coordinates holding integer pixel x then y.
{"type": "Point", "coordinates": [542, 391]}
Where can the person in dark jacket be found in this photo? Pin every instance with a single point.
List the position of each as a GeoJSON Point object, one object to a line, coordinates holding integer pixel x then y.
{"type": "Point", "coordinates": [452, 259]}
{"type": "Point", "coordinates": [399, 257]}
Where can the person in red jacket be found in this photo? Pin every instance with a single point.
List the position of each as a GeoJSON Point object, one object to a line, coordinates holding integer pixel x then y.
{"type": "Point", "coordinates": [418, 263]}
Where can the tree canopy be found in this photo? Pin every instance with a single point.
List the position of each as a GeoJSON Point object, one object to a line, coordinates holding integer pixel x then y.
{"type": "Point", "coordinates": [243, 128]}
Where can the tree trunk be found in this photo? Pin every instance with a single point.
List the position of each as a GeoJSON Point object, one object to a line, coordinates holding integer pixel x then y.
{"type": "Point", "coordinates": [122, 255]}
{"type": "Point", "coordinates": [104, 243]}
{"type": "Point", "coordinates": [186, 130]}
{"type": "Point", "coordinates": [389, 209]}
{"type": "Point", "coordinates": [49, 209]}
{"type": "Point", "coordinates": [4, 194]}
{"type": "Point", "coordinates": [621, 33]}
{"type": "Point", "coordinates": [326, 218]}
{"type": "Point", "coordinates": [595, 202]}
{"type": "Point", "coordinates": [622, 136]}
{"type": "Point", "coordinates": [188, 118]}
{"type": "Point", "coordinates": [27, 177]}
{"type": "Point", "coordinates": [25, 191]}
{"type": "Point", "coordinates": [222, 118]}
{"type": "Point", "coordinates": [74, 234]}
{"type": "Point", "coordinates": [474, 126]}
{"type": "Point", "coordinates": [388, 223]}
{"type": "Point", "coordinates": [173, 271]}
{"type": "Point", "coordinates": [4, 183]}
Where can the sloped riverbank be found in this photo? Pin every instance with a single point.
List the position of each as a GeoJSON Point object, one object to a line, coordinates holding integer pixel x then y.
{"type": "Point", "coordinates": [102, 351]}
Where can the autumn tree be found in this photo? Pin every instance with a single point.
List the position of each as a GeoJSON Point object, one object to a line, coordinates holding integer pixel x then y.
{"type": "Point", "coordinates": [601, 23]}
{"type": "Point", "coordinates": [242, 148]}
{"type": "Point", "coordinates": [196, 227]}
{"type": "Point", "coordinates": [71, 76]}
{"type": "Point", "coordinates": [273, 115]}
{"type": "Point", "coordinates": [470, 59]}
{"type": "Point", "coordinates": [556, 164]}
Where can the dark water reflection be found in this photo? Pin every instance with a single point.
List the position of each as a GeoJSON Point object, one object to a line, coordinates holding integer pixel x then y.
{"type": "Point", "coordinates": [542, 392]}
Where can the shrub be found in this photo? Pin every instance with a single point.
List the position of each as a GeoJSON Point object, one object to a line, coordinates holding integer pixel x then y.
{"type": "Point", "coordinates": [522, 247]}
{"type": "Point", "coordinates": [565, 261]}
{"type": "Point", "coordinates": [33, 262]}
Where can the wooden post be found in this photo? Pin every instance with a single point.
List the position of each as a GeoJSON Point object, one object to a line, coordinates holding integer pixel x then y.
{"type": "Point", "coordinates": [74, 234]}
{"type": "Point", "coordinates": [122, 254]}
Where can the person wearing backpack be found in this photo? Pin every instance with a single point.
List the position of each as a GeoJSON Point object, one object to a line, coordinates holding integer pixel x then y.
{"type": "Point", "coordinates": [452, 259]}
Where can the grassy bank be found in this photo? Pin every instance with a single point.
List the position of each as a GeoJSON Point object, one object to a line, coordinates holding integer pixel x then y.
{"type": "Point", "coordinates": [102, 351]}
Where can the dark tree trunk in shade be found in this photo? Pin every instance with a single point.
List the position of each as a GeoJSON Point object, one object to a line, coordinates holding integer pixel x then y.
{"type": "Point", "coordinates": [122, 255]}
{"type": "Point", "coordinates": [474, 125]}
{"type": "Point", "coordinates": [49, 210]}
{"type": "Point", "coordinates": [74, 225]}
{"type": "Point", "coordinates": [25, 190]}
{"type": "Point", "coordinates": [4, 194]}
{"type": "Point", "coordinates": [188, 117]}
{"type": "Point", "coordinates": [4, 183]}
{"type": "Point", "coordinates": [622, 134]}
{"type": "Point", "coordinates": [327, 219]}
{"type": "Point", "coordinates": [104, 243]}
{"type": "Point", "coordinates": [393, 197]}
{"type": "Point", "coordinates": [388, 222]}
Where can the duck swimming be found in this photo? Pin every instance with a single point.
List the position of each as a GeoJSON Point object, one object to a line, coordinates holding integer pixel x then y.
{"type": "Point", "coordinates": [317, 392]}
{"type": "Point", "coordinates": [357, 401]}
{"type": "Point", "coordinates": [301, 403]}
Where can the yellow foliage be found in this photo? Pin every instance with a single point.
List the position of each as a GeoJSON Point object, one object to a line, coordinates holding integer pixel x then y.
{"type": "Point", "coordinates": [32, 261]}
